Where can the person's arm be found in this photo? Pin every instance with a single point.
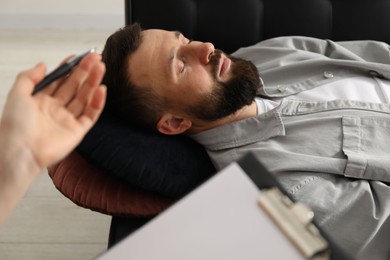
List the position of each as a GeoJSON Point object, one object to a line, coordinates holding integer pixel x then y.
{"type": "Point", "coordinates": [37, 131]}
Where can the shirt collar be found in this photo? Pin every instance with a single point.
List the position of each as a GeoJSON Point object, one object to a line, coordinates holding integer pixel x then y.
{"type": "Point", "coordinates": [242, 132]}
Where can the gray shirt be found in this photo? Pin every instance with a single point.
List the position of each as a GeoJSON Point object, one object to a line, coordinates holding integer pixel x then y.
{"type": "Point", "coordinates": [333, 155]}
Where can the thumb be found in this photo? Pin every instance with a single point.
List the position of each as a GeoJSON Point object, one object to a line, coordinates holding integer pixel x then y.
{"type": "Point", "coordinates": [26, 80]}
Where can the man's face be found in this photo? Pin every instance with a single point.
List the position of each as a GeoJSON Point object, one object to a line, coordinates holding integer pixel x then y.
{"type": "Point", "coordinates": [195, 80]}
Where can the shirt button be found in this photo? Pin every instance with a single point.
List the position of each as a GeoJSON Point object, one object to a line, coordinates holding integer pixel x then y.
{"type": "Point", "coordinates": [328, 75]}
{"type": "Point", "coordinates": [374, 73]}
{"type": "Point", "coordinates": [282, 88]}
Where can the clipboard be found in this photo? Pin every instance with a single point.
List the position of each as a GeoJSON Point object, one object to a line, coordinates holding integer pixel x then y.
{"type": "Point", "coordinates": [294, 219]}
{"type": "Point", "coordinates": [221, 220]}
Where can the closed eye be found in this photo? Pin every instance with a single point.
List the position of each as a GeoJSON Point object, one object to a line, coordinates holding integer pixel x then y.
{"type": "Point", "coordinates": [182, 65]}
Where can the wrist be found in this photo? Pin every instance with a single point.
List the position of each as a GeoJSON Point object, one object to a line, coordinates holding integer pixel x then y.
{"type": "Point", "coordinates": [17, 162]}
{"type": "Point", "coordinates": [18, 169]}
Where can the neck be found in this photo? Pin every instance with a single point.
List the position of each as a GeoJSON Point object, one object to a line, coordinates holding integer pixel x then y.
{"type": "Point", "coordinates": [243, 113]}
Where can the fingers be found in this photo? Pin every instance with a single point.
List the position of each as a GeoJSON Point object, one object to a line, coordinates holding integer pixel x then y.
{"type": "Point", "coordinates": [70, 86]}
{"type": "Point", "coordinates": [93, 110]}
{"type": "Point", "coordinates": [53, 86]}
{"type": "Point", "coordinates": [51, 89]}
{"type": "Point", "coordinates": [83, 97]}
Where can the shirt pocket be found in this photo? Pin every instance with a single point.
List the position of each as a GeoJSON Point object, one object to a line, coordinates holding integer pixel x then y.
{"type": "Point", "coordinates": [366, 144]}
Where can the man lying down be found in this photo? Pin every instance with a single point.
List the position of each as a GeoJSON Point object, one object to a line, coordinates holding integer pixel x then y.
{"type": "Point", "coordinates": [315, 112]}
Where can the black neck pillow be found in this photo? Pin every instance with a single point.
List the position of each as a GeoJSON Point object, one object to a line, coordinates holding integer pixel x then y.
{"type": "Point", "coordinates": [167, 165]}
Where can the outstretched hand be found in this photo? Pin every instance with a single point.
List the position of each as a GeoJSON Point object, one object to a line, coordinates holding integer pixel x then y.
{"type": "Point", "coordinates": [37, 131]}
{"type": "Point", "coordinates": [52, 122]}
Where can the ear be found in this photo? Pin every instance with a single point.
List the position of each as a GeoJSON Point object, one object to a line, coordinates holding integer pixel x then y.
{"type": "Point", "coordinates": [172, 125]}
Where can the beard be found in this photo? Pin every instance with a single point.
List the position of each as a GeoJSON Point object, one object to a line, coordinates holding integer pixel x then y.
{"type": "Point", "coordinates": [226, 98]}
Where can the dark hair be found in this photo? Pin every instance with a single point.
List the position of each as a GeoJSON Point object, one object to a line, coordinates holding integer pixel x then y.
{"type": "Point", "coordinates": [137, 105]}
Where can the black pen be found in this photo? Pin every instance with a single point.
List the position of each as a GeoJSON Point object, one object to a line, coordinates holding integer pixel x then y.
{"type": "Point", "coordinates": [62, 70]}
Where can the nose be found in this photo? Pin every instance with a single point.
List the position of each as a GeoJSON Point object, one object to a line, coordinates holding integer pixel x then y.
{"type": "Point", "coordinates": [201, 50]}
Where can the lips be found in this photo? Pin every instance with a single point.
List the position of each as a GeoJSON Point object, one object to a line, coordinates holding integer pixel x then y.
{"type": "Point", "coordinates": [225, 65]}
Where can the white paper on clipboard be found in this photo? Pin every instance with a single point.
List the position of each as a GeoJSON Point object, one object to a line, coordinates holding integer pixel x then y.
{"type": "Point", "coordinates": [219, 220]}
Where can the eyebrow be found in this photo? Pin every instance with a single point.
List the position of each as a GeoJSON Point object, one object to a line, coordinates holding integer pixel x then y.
{"type": "Point", "coordinates": [173, 50]}
{"type": "Point", "coordinates": [177, 34]}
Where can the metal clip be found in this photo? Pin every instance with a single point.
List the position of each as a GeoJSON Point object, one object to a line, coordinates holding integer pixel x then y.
{"type": "Point", "coordinates": [295, 221]}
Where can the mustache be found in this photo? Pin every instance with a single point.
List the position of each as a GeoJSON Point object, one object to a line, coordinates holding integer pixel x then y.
{"type": "Point", "coordinates": [214, 62]}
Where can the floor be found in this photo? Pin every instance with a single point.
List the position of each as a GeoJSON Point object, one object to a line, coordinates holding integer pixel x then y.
{"type": "Point", "coordinates": [46, 225]}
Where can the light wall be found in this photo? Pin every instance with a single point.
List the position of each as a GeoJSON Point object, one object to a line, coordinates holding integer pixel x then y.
{"type": "Point", "coordinates": [61, 14]}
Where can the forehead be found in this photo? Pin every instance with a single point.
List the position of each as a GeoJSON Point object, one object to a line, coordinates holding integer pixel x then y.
{"type": "Point", "coordinates": [157, 35]}
{"type": "Point", "coordinates": [150, 33]}
{"type": "Point", "coordinates": [148, 63]}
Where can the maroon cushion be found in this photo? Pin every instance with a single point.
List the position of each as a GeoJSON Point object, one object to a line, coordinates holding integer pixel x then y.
{"type": "Point", "coordinates": [91, 188]}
